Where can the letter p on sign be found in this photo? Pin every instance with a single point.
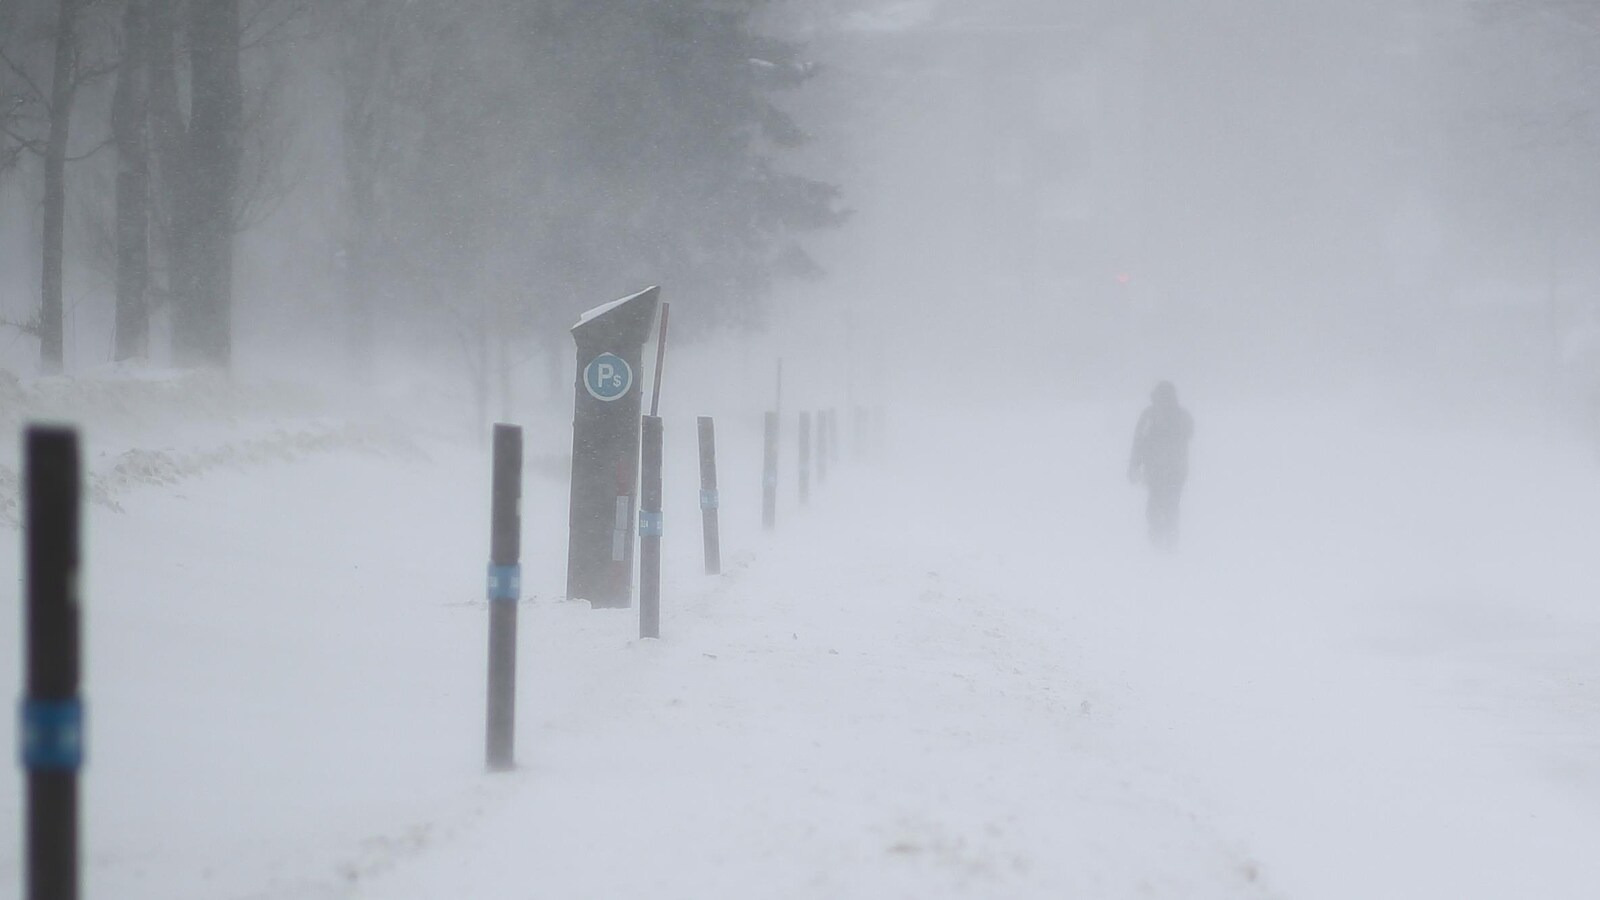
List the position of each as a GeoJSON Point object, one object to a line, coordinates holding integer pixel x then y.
{"type": "Point", "coordinates": [607, 377]}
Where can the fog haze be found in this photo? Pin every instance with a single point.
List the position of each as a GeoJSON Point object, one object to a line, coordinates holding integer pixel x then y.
{"type": "Point", "coordinates": [1156, 444]}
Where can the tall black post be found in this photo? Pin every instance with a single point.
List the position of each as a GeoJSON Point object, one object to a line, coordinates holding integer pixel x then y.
{"type": "Point", "coordinates": [769, 474]}
{"type": "Point", "coordinates": [650, 531]}
{"type": "Point", "coordinates": [805, 458]}
{"type": "Point", "coordinates": [822, 446]}
{"type": "Point", "coordinates": [52, 711]}
{"type": "Point", "coordinates": [505, 587]}
{"type": "Point", "coordinates": [710, 500]}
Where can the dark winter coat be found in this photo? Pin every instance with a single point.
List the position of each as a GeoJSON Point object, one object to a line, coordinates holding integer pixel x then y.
{"type": "Point", "coordinates": [1161, 445]}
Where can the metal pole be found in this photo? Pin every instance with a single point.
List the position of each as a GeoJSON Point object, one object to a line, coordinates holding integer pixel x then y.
{"type": "Point", "coordinates": [52, 710]}
{"type": "Point", "coordinates": [650, 532]}
{"type": "Point", "coordinates": [822, 446]}
{"type": "Point", "coordinates": [769, 474]}
{"type": "Point", "coordinates": [505, 587]}
{"type": "Point", "coordinates": [805, 458]}
{"type": "Point", "coordinates": [710, 500]}
{"type": "Point", "coordinates": [661, 358]}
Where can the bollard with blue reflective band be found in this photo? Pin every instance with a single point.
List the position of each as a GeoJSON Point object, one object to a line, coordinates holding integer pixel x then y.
{"type": "Point", "coordinates": [52, 739]}
{"type": "Point", "coordinates": [504, 589]}
{"type": "Point", "coordinates": [710, 499]}
{"type": "Point", "coordinates": [769, 473]}
{"type": "Point", "coordinates": [824, 430]}
{"type": "Point", "coordinates": [505, 582]}
{"type": "Point", "coordinates": [650, 530]}
{"type": "Point", "coordinates": [805, 458]}
{"type": "Point", "coordinates": [52, 735]}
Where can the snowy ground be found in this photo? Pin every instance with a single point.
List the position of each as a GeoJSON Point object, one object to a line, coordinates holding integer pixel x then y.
{"type": "Point", "coordinates": [1373, 671]}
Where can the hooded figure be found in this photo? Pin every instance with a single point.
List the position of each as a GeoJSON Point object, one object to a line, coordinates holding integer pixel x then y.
{"type": "Point", "coordinates": [1160, 460]}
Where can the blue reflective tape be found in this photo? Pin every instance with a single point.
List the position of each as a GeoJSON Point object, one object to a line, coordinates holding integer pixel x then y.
{"type": "Point", "coordinates": [650, 524]}
{"type": "Point", "coordinates": [505, 582]}
{"type": "Point", "coordinates": [52, 735]}
{"type": "Point", "coordinates": [710, 499]}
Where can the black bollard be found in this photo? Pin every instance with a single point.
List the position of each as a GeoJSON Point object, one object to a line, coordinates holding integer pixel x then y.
{"type": "Point", "coordinates": [710, 501]}
{"type": "Point", "coordinates": [650, 531]}
{"type": "Point", "coordinates": [52, 711]}
{"type": "Point", "coordinates": [769, 474]}
{"type": "Point", "coordinates": [505, 587]}
{"type": "Point", "coordinates": [822, 446]}
{"type": "Point", "coordinates": [805, 458]}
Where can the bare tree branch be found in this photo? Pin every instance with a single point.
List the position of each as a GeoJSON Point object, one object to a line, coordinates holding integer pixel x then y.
{"type": "Point", "coordinates": [275, 32]}
{"type": "Point", "coordinates": [39, 96]}
{"type": "Point", "coordinates": [96, 149]}
{"type": "Point", "coordinates": [24, 143]}
{"type": "Point", "coordinates": [30, 327]}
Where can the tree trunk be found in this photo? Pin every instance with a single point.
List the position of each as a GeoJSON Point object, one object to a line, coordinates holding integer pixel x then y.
{"type": "Point", "coordinates": [202, 328]}
{"type": "Point", "coordinates": [169, 137]}
{"type": "Point", "coordinates": [508, 398]}
{"type": "Point", "coordinates": [360, 66]}
{"type": "Point", "coordinates": [480, 377]}
{"type": "Point", "coordinates": [359, 253]}
{"type": "Point", "coordinates": [1552, 304]}
{"type": "Point", "coordinates": [363, 319]}
{"type": "Point", "coordinates": [62, 87]}
{"type": "Point", "coordinates": [130, 132]}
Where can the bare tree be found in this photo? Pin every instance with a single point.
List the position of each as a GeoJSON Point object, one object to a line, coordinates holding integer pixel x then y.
{"type": "Point", "coordinates": [63, 90]}
{"type": "Point", "coordinates": [72, 67]}
{"type": "Point", "coordinates": [130, 131]}
{"type": "Point", "coordinates": [198, 152]}
{"type": "Point", "coordinates": [22, 100]}
{"type": "Point", "coordinates": [368, 58]}
{"type": "Point", "coordinates": [202, 331]}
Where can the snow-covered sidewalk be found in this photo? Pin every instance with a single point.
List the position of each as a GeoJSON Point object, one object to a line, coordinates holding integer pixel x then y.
{"type": "Point", "coordinates": [956, 676]}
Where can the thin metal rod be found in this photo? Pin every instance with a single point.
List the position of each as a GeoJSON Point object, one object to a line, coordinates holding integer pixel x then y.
{"type": "Point", "coordinates": [661, 357]}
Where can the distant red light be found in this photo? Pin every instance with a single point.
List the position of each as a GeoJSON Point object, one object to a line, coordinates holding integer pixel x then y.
{"type": "Point", "coordinates": [1124, 278]}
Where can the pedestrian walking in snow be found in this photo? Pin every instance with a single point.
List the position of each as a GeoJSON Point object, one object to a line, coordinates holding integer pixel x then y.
{"type": "Point", "coordinates": [1160, 461]}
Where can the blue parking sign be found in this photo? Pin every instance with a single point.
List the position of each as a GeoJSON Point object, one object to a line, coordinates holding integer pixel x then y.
{"type": "Point", "coordinates": [608, 377]}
